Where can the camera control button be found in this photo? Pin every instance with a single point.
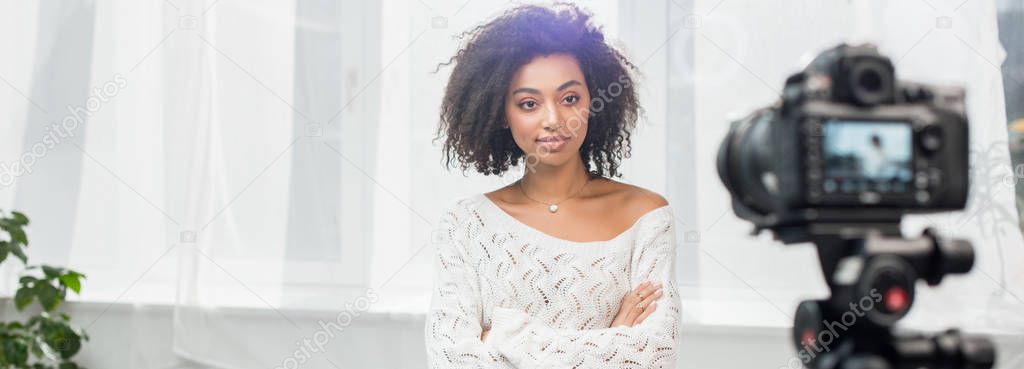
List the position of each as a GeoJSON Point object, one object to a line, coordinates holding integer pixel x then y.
{"type": "Point", "coordinates": [931, 139]}
{"type": "Point", "coordinates": [922, 196]}
{"type": "Point", "coordinates": [830, 186]}
{"type": "Point", "coordinates": [921, 180]}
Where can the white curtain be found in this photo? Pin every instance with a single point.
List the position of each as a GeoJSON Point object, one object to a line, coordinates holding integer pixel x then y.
{"type": "Point", "coordinates": [265, 167]}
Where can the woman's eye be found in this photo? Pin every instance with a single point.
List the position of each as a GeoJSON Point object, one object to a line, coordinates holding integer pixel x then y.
{"type": "Point", "coordinates": [528, 105]}
{"type": "Point", "coordinates": [571, 99]}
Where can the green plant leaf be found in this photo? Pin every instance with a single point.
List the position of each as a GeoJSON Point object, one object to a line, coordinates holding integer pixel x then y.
{"type": "Point", "coordinates": [15, 249]}
{"type": "Point", "coordinates": [36, 348]}
{"type": "Point", "coordinates": [52, 272]}
{"type": "Point", "coordinates": [24, 280]}
{"type": "Point", "coordinates": [41, 349]}
{"type": "Point", "coordinates": [48, 295]}
{"type": "Point", "coordinates": [61, 338]}
{"type": "Point", "coordinates": [19, 218]}
{"type": "Point", "coordinates": [33, 321]}
{"type": "Point", "coordinates": [18, 235]}
{"type": "Point", "coordinates": [70, 280]}
{"type": "Point", "coordinates": [3, 252]}
{"type": "Point", "coordinates": [23, 297]}
{"type": "Point", "coordinates": [15, 352]}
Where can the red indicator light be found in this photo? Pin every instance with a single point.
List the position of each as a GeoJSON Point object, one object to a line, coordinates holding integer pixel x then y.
{"type": "Point", "coordinates": [895, 299]}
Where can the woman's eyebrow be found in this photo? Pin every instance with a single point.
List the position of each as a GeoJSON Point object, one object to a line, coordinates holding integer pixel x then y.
{"type": "Point", "coordinates": [537, 92]}
{"type": "Point", "coordinates": [567, 84]}
{"type": "Point", "coordinates": [526, 90]}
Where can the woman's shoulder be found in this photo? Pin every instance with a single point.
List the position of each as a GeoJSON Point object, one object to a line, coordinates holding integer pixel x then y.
{"type": "Point", "coordinates": [636, 201]}
{"type": "Point", "coordinates": [655, 218]}
{"type": "Point", "coordinates": [463, 204]}
{"type": "Point", "coordinates": [638, 207]}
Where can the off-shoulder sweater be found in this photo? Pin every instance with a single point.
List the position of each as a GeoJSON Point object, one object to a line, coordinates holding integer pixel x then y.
{"type": "Point", "coordinates": [548, 302]}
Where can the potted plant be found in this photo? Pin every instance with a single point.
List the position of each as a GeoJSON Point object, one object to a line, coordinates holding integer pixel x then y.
{"type": "Point", "coordinates": [47, 339]}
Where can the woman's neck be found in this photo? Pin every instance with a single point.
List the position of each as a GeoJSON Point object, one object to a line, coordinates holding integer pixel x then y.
{"type": "Point", "coordinates": [552, 184]}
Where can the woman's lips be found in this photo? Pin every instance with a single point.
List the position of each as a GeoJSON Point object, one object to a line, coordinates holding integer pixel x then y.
{"type": "Point", "coordinates": [554, 145]}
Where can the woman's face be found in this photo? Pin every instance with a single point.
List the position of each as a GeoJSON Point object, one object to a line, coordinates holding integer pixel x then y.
{"type": "Point", "coordinates": [547, 106]}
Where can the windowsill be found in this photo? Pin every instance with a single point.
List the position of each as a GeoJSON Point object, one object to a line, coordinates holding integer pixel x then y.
{"type": "Point", "coordinates": [705, 310]}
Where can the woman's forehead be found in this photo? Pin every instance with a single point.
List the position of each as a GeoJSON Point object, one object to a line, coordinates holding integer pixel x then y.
{"type": "Point", "coordinates": [548, 72]}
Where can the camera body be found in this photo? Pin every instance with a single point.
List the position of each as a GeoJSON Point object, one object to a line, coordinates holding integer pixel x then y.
{"type": "Point", "coordinates": [848, 144]}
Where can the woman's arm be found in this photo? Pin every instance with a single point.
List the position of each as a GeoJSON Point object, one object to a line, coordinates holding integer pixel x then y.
{"type": "Point", "coordinates": [635, 306]}
{"type": "Point", "coordinates": [452, 328]}
{"type": "Point", "coordinates": [653, 343]}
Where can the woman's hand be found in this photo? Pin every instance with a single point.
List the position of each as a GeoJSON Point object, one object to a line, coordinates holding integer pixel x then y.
{"type": "Point", "coordinates": [637, 305]}
{"type": "Point", "coordinates": [483, 336]}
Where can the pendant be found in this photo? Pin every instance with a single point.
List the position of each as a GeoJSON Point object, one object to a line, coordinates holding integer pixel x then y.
{"type": "Point", "coordinates": [553, 208]}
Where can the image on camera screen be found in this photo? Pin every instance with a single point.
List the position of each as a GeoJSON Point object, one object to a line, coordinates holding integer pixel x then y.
{"type": "Point", "coordinates": [865, 156]}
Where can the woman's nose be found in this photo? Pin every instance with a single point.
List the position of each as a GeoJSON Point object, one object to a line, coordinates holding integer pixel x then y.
{"type": "Point", "coordinates": [552, 121]}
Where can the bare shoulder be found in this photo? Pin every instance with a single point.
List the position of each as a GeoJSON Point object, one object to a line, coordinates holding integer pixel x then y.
{"type": "Point", "coordinates": [636, 199]}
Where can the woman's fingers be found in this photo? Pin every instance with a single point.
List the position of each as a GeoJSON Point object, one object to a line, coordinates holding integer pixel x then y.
{"type": "Point", "coordinates": [647, 312]}
{"type": "Point", "coordinates": [635, 306]}
{"type": "Point", "coordinates": [641, 299]}
{"type": "Point", "coordinates": [649, 306]}
{"type": "Point", "coordinates": [626, 305]}
{"type": "Point", "coordinates": [641, 287]}
{"type": "Point", "coordinates": [649, 296]}
{"type": "Point", "coordinates": [649, 290]}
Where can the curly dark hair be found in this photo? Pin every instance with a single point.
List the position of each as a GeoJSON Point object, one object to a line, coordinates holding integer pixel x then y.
{"type": "Point", "coordinates": [472, 112]}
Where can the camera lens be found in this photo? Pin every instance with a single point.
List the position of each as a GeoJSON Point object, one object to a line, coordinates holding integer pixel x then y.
{"type": "Point", "coordinates": [745, 161]}
{"type": "Point", "coordinates": [870, 82]}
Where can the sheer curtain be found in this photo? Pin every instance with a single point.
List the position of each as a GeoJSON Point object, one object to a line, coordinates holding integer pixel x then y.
{"type": "Point", "coordinates": [392, 186]}
{"type": "Point", "coordinates": [84, 149]}
{"type": "Point", "coordinates": [234, 158]}
{"type": "Point", "coordinates": [266, 167]}
{"type": "Point", "coordinates": [314, 188]}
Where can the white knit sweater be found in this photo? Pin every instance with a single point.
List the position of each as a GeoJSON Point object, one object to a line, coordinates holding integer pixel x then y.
{"type": "Point", "coordinates": [548, 302]}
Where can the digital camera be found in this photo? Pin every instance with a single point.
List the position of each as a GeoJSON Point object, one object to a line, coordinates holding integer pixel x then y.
{"type": "Point", "coordinates": [848, 143]}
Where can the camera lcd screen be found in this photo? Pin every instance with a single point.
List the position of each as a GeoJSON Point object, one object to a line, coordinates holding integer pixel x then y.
{"type": "Point", "coordinates": [863, 156]}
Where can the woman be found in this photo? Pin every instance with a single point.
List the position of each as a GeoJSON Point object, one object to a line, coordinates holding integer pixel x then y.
{"type": "Point", "coordinates": [565, 267]}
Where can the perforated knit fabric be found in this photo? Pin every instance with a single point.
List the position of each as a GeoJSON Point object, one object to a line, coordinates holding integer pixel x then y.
{"type": "Point", "coordinates": [547, 302]}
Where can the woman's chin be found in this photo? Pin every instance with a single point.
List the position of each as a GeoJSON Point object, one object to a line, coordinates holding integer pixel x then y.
{"type": "Point", "coordinates": [557, 159]}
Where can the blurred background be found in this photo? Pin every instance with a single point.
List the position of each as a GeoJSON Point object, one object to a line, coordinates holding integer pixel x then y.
{"type": "Point", "coordinates": [239, 178]}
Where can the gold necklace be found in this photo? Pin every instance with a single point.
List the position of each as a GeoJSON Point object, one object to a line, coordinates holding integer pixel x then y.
{"type": "Point", "coordinates": [553, 207]}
